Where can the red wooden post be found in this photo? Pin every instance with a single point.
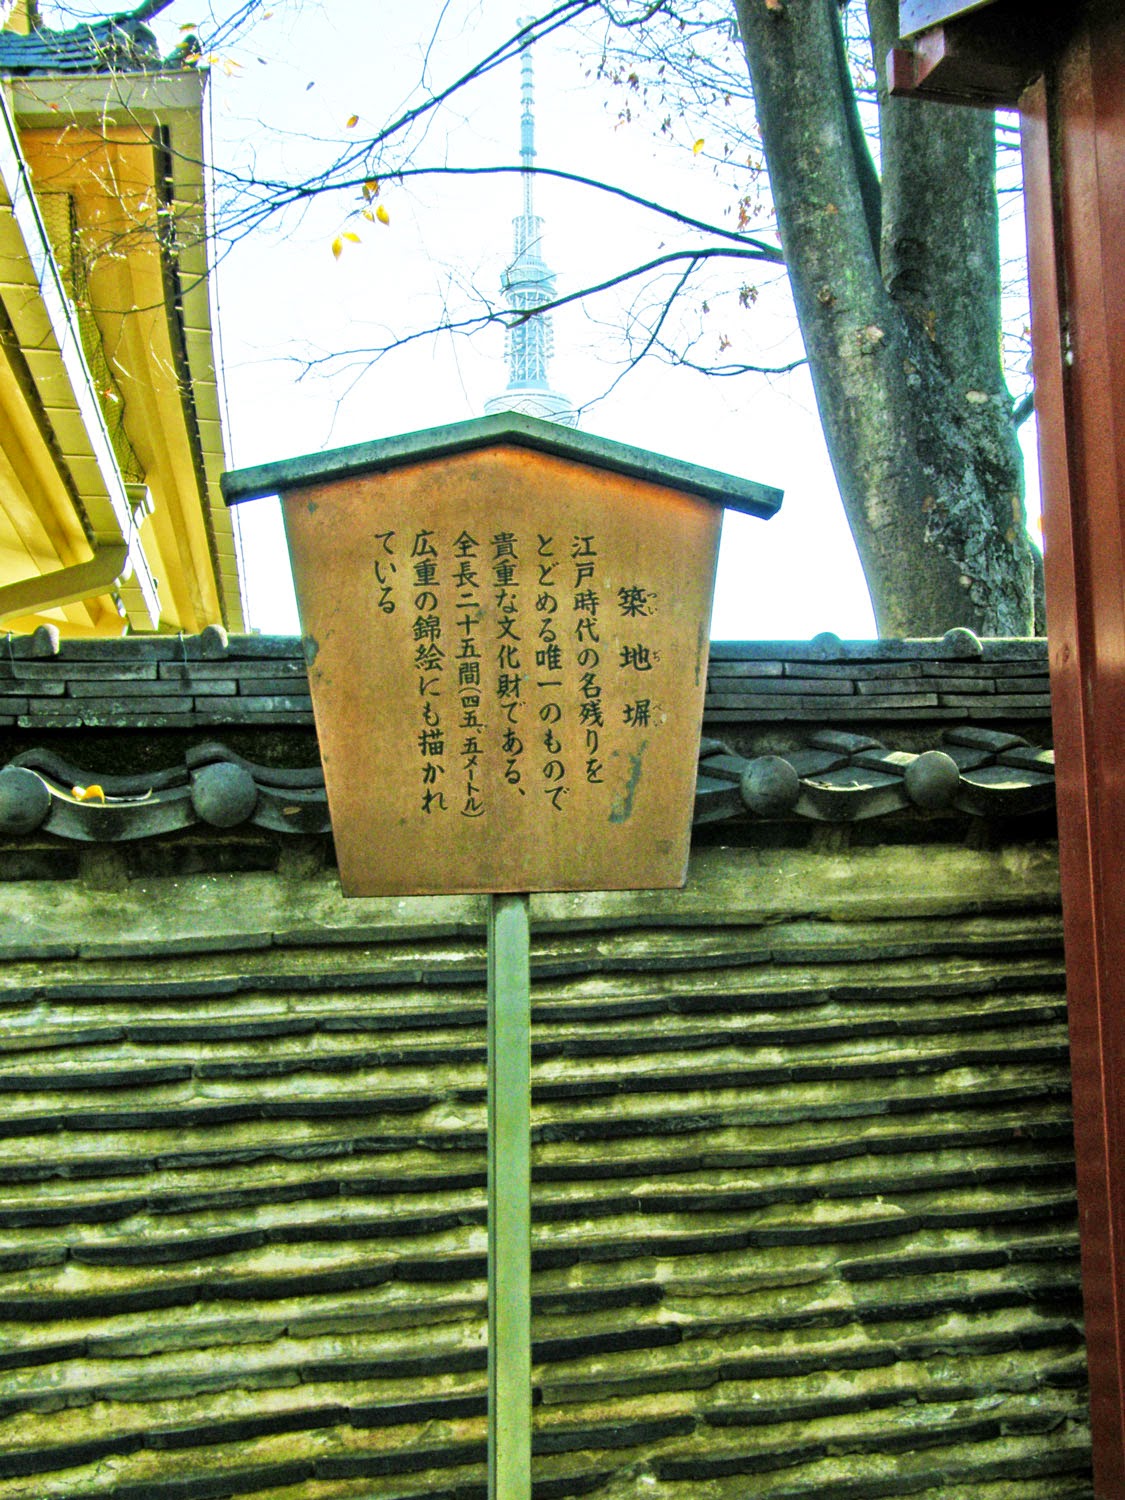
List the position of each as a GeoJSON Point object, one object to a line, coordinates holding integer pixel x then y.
{"type": "Point", "coordinates": [1072, 101]}
{"type": "Point", "coordinates": [1074, 167]}
{"type": "Point", "coordinates": [1068, 69]}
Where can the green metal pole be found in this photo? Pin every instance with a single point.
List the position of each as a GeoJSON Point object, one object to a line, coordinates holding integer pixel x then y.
{"type": "Point", "coordinates": [509, 1198]}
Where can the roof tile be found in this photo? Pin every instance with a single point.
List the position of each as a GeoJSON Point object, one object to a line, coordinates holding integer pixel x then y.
{"type": "Point", "coordinates": [122, 45]}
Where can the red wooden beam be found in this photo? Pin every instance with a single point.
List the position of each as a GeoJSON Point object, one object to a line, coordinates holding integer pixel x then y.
{"type": "Point", "coordinates": [1073, 109]}
{"type": "Point", "coordinates": [1074, 170]}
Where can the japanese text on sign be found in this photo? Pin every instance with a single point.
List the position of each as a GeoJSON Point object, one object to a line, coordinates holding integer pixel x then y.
{"type": "Point", "coordinates": [525, 657]}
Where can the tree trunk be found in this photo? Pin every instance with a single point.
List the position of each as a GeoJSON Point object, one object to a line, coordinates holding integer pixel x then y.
{"type": "Point", "coordinates": [897, 295]}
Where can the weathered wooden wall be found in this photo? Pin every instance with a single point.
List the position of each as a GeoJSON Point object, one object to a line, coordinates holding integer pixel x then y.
{"type": "Point", "coordinates": [804, 1201]}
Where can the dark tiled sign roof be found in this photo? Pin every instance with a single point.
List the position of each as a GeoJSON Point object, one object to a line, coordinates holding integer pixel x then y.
{"type": "Point", "coordinates": [506, 428]}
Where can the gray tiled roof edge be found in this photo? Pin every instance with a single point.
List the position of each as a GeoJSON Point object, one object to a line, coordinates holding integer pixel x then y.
{"type": "Point", "coordinates": [838, 778]}
{"type": "Point", "coordinates": [149, 682]}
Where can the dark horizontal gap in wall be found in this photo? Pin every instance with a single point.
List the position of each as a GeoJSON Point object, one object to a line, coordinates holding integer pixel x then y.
{"type": "Point", "coordinates": [777, 1458]}
{"type": "Point", "coordinates": [848, 1070]}
{"type": "Point", "coordinates": [152, 1251]}
{"type": "Point", "coordinates": [939, 942]}
{"type": "Point", "coordinates": [1010, 1466]}
{"type": "Point", "coordinates": [123, 1075]}
{"type": "Point", "coordinates": [687, 1371]}
{"type": "Point", "coordinates": [459, 1267]}
{"type": "Point", "coordinates": [745, 1008]}
{"type": "Point", "coordinates": [1031, 1093]}
{"type": "Point", "coordinates": [1027, 1135]}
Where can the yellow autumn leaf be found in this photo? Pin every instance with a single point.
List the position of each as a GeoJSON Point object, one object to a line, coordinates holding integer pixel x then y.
{"type": "Point", "coordinates": [382, 215]}
{"type": "Point", "coordinates": [352, 121]}
{"type": "Point", "coordinates": [697, 147]}
{"type": "Point", "coordinates": [88, 793]}
{"type": "Point", "coordinates": [371, 188]}
{"type": "Point", "coordinates": [368, 215]}
{"type": "Point", "coordinates": [346, 236]}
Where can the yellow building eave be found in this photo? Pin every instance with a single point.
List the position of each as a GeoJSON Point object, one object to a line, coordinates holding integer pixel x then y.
{"type": "Point", "coordinates": [123, 147]}
{"type": "Point", "coordinates": [69, 509]}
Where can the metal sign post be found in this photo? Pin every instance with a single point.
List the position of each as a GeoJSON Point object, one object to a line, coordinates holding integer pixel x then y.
{"type": "Point", "coordinates": [509, 1199]}
{"type": "Point", "coordinates": [506, 626]}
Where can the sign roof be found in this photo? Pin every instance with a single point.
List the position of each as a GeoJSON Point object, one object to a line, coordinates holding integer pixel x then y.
{"type": "Point", "coordinates": [503, 429]}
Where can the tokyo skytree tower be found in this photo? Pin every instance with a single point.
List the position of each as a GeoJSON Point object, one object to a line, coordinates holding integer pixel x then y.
{"type": "Point", "coordinates": [528, 283]}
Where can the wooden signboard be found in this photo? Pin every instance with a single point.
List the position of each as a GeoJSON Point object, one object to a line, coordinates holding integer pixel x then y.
{"type": "Point", "coordinates": [506, 627]}
{"type": "Point", "coordinates": [506, 632]}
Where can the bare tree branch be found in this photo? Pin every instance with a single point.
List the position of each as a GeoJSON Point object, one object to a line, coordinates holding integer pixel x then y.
{"type": "Point", "coordinates": [653, 335]}
{"type": "Point", "coordinates": [723, 372]}
{"type": "Point", "coordinates": [763, 251]}
{"type": "Point", "coordinates": [534, 31]}
{"type": "Point", "coordinates": [1023, 409]}
{"type": "Point", "coordinates": [507, 318]}
{"type": "Point", "coordinates": [279, 195]}
{"type": "Point", "coordinates": [694, 257]}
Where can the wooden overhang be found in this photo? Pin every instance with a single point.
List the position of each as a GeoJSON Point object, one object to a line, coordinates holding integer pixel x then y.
{"type": "Point", "coordinates": [979, 52]}
{"type": "Point", "coordinates": [110, 511]}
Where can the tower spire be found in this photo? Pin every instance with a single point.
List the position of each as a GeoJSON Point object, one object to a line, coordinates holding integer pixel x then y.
{"type": "Point", "coordinates": [528, 284]}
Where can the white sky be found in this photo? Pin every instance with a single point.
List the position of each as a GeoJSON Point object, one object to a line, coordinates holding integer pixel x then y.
{"type": "Point", "coordinates": [282, 98]}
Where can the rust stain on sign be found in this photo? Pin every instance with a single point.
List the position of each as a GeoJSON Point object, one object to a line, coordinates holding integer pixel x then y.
{"type": "Point", "coordinates": [510, 635]}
